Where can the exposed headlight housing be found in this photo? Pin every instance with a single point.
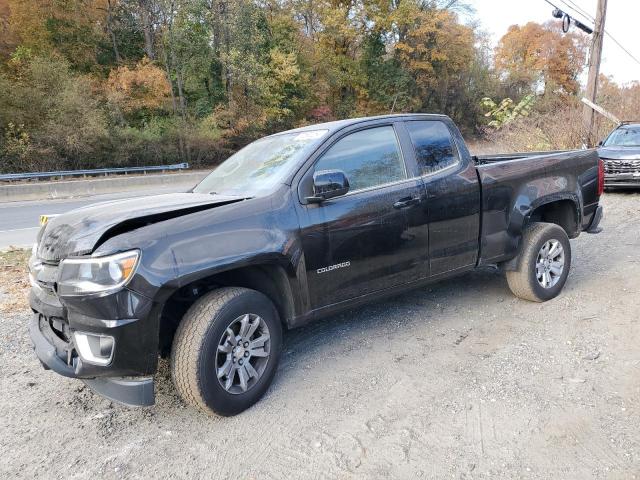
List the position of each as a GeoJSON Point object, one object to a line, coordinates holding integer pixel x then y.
{"type": "Point", "coordinates": [82, 276]}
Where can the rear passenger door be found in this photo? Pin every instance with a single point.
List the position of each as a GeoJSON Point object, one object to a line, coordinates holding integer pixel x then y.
{"type": "Point", "coordinates": [452, 195]}
{"type": "Point", "coordinates": [362, 242]}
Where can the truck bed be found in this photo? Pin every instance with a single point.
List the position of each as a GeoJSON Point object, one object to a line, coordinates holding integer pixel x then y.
{"type": "Point", "coordinates": [513, 185]}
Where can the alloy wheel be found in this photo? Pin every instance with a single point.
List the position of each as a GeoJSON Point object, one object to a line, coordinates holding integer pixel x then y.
{"type": "Point", "coordinates": [243, 353]}
{"type": "Point", "coordinates": [550, 263]}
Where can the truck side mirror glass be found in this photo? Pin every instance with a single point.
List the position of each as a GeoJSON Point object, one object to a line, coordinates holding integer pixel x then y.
{"type": "Point", "coordinates": [328, 184]}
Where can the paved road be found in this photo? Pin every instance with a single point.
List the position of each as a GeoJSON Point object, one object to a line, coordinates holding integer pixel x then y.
{"type": "Point", "coordinates": [19, 220]}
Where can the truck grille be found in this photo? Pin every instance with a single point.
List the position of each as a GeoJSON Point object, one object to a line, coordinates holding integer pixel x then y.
{"type": "Point", "coordinates": [621, 166]}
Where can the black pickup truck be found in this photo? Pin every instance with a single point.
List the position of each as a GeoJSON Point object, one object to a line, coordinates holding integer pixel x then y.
{"type": "Point", "coordinates": [293, 227]}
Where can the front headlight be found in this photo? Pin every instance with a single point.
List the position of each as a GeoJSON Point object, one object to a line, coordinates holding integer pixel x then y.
{"type": "Point", "coordinates": [79, 276]}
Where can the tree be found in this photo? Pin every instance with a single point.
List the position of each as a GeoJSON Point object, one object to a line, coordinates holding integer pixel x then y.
{"type": "Point", "coordinates": [448, 71]}
{"type": "Point", "coordinates": [157, 80]}
{"type": "Point", "coordinates": [71, 28]}
{"type": "Point", "coordinates": [623, 100]}
{"type": "Point", "coordinates": [50, 114]}
{"type": "Point", "coordinates": [540, 57]}
{"type": "Point", "coordinates": [141, 88]}
{"type": "Point", "coordinates": [388, 86]}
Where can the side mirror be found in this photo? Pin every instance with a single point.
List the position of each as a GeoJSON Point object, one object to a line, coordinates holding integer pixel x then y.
{"type": "Point", "coordinates": [600, 143]}
{"type": "Point", "coordinates": [328, 184]}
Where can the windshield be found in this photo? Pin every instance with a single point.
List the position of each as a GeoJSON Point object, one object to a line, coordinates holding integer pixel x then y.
{"type": "Point", "coordinates": [624, 137]}
{"type": "Point", "coordinates": [260, 166]}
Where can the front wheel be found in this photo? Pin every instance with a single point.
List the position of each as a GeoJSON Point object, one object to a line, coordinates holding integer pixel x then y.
{"type": "Point", "coordinates": [543, 264]}
{"type": "Point", "coordinates": [226, 350]}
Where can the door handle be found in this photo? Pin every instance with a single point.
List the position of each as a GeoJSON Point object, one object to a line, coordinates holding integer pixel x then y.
{"type": "Point", "coordinates": [406, 202]}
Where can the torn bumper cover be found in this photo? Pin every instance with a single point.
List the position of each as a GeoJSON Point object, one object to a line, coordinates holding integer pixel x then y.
{"type": "Point", "coordinates": [129, 391]}
{"type": "Point", "coordinates": [65, 337]}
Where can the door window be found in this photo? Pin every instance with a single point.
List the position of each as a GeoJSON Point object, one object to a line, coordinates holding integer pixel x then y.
{"type": "Point", "coordinates": [433, 144]}
{"type": "Point", "coordinates": [368, 158]}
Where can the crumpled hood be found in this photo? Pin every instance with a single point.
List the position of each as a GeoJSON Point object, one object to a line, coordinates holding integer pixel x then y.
{"type": "Point", "coordinates": [80, 231]}
{"type": "Point", "coordinates": [619, 153]}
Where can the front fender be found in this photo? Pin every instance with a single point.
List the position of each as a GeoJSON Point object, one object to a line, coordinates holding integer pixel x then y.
{"type": "Point", "coordinates": [180, 251]}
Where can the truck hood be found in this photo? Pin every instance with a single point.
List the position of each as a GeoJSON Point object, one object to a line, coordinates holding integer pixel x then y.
{"type": "Point", "coordinates": [619, 153]}
{"type": "Point", "coordinates": [81, 231]}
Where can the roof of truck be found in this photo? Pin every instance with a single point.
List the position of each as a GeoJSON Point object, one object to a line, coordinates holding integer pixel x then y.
{"type": "Point", "coordinates": [340, 124]}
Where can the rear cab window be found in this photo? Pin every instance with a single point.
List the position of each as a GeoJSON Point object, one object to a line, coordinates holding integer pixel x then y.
{"type": "Point", "coordinates": [433, 144]}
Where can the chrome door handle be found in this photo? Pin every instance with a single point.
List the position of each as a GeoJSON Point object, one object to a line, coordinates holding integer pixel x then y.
{"type": "Point", "coordinates": [406, 202]}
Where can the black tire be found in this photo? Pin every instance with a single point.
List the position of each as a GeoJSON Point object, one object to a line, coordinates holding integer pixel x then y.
{"type": "Point", "coordinates": [523, 281]}
{"type": "Point", "coordinates": [193, 355]}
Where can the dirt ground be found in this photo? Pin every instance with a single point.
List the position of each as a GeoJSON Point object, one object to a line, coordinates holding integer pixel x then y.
{"type": "Point", "coordinates": [456, 380]}
{"type": "Point", "coordinates": [14, 284]}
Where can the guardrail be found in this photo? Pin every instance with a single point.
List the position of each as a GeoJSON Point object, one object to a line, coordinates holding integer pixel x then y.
{"type": "Point", "coordinates": [92, 172]}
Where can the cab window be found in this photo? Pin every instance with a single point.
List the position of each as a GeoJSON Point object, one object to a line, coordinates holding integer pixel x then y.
{"type": "Point", "coordinates": [433, 145]}
{"type": "Point", "coordinates": [368, 158]}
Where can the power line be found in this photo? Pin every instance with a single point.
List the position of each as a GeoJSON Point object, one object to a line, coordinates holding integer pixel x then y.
{"type": "Point", "coordinates": [589, 19]}
{"type": "Point", "coordinates": [605, 31]}
{"type": "Point", "coordinates": [579, 9]}
{"type": "Point", "coordinates": [623, 49]}
{"type": "Point", "coordinates": [558, 13]}
{"type": "Point", "coordinates": [584, 14]}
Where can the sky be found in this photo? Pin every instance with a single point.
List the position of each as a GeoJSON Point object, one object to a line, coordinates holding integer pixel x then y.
{"type": "Point", "coordinates": [495, 17]}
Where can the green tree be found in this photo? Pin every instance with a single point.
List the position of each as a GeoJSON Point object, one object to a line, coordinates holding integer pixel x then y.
{"type": "Point", "coordinates": [53, 113]}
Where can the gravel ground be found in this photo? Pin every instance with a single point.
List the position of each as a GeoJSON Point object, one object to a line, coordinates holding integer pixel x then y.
{"type": "Point", "coordinates": [456, 380]}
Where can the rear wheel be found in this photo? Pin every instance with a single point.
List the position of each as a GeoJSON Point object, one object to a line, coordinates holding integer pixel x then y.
{"type": "Point", "coordinates": [543, 264]}
{"type": "Point", "coordinates": [226, 350]}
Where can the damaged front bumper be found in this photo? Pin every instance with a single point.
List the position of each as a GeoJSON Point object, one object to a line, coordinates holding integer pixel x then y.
{"type": "Point", "coordinates": [127, 375]}
{"type": "Point", "coordinates": [129, 391]}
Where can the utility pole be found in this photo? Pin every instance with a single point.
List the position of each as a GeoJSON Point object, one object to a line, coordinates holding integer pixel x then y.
{"type": "Point", "coordinates": [595, 54]}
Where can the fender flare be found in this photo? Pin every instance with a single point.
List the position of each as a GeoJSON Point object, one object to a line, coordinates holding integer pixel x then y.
{"type": "Point", "coordinates": [521, 217]}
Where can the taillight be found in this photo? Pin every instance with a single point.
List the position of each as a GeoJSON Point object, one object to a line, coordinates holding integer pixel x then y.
{"type": "Point", "coordinates": [600, 177]}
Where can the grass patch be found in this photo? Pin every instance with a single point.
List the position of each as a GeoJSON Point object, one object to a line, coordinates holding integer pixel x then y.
{"type": "Point", "coordinates": [14, 279]}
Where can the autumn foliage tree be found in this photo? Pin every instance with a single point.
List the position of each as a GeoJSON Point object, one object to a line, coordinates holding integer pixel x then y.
{"type": "Point", "coordinates": [541, 57]}
{"type": "Point", "coordinates": [141, 87]}
{"type": "Point", "coordinates": [439, 54]}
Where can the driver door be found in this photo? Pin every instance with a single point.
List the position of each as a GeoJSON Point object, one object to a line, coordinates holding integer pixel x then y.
{"type": "Point", "coordinates": [363, 241]}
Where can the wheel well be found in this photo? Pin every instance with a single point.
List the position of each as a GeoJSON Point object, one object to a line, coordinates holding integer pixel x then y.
{"type": "Point", "coordinates": [271, 280]}
{"type": "Point", "coordinates": [561, 212]}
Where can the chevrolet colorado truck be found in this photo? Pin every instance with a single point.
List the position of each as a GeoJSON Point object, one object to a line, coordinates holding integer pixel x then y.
{"type": "Point", "coordinates": [293, 227]}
